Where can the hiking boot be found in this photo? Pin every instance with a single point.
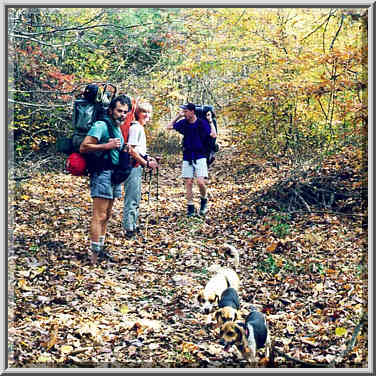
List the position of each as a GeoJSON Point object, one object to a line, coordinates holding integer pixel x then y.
{"type": "Point", "coordinates": [204, 206]}
{"type": "Point", "coordinates": [104, 255]}
{"type": "Point", "coordinates": [191, 210]}
{"type": "Point", "coordinates": [129, 234]}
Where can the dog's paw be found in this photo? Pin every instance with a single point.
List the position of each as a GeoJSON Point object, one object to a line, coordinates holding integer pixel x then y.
{"type": "Point", "coordinates": [264, 362]}
{"type": "Point", "coordinates": [209, 324]}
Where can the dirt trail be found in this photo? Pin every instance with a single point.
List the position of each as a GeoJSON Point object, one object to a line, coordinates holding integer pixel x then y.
{"type": "Point", "coordinates": [141, 311]}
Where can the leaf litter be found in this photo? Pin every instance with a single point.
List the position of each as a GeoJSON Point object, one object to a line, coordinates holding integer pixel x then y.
{"type": "Point", "coordinates": [307, 271]}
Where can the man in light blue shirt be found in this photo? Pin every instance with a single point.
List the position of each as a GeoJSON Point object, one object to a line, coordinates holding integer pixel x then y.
{"type": "Point", "coordinates": [102, 191]}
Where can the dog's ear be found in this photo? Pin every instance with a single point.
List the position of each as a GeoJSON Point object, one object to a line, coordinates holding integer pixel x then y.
{"type": "Point", "coordinates": [221, 331]}
{"type": "Point", "coordinates": [200, 297]}
{"type": "Point", "coordinates": [239, 333]}
{"type": "Point", "coordinates": [217, 315]}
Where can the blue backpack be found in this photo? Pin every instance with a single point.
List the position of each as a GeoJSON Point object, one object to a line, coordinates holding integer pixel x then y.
{"type": "Point", "coordinates": [210, 144]}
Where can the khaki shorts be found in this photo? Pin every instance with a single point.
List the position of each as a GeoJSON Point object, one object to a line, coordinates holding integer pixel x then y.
{"type": "Point", "coordinates": [198, 169]}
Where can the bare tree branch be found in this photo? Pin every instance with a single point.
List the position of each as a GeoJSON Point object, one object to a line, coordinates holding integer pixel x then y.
{"type": "Point", "coordinates": [335, 37]}
{"type": "Point", "coordinates": [39, 105]}
{"type": "Point", "coordinates": [79, 28]}
{"type": "Point", "coordinates": [318, 27]}
{"type": "Point", "coordinates": [43, 43]}
{"type": "Point", "coordinates": [240, 17]}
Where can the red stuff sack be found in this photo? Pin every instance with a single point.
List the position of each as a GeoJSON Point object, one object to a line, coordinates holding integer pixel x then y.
{"type": "Point", "coordinates": [76, 164]}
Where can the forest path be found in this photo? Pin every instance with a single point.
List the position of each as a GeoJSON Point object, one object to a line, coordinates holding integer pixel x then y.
{"type": "Point", "coordinates": [305, 272]}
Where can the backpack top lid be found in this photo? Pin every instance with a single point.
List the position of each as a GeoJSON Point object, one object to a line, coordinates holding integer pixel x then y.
{"type": "Point", "coordinates": [207, 108]}
{"type": "Point", "coordinates": [91, 92]}
{"type": "Point", "coordinates": [201, 111]}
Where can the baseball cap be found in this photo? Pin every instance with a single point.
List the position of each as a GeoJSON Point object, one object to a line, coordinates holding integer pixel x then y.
{"type": "Point", "coordinates": [188, 106]}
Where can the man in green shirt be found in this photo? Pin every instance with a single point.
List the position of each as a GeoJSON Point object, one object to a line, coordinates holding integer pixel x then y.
{"type": "Point", "coordinates": [102, 191]}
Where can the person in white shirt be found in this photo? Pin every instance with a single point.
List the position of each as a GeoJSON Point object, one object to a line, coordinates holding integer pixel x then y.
{"type": "Point", "coordinates": [132, 186]}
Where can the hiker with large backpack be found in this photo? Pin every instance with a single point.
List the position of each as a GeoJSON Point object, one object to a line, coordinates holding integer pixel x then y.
{"type": "Point", "coordinates": [198, 136]}
{"type": "Point", "coordinates": [132, 186]}
{"type": "Point", "coordinates": [102, 188]}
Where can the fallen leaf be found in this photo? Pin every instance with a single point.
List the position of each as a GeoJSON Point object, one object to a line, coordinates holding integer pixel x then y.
{"type": "Point", "coordinates": [188, 347]}
{"type": "Point", "coordinates": [66, 349]}
{"type": "Point", "coordinates": [272, 247]}
{"type": "Point", "coordinates": [340, 332]}
{"type": "Point", "coordinates": [124, 309]}
{"type": "Point", "coordinates": [23, 285]}
{"type": "Point", "coordinates": [310, 341]}
{"type": "Point", "coordinates": [53, 337]}
{"type": "Point", "coordinates": [319, 287]}
{"type": "Point", "coordinates": [264, 362]}
{"type": "Point", "coordinates": [44, 358]}
{"type": "Point", "coordinates": [290, 329]}
{"type": "Point", "coordinates": [132, 350]}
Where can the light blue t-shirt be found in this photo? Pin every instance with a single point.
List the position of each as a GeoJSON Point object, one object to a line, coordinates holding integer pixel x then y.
{"type": "Point", "coordinates": [99, 131]}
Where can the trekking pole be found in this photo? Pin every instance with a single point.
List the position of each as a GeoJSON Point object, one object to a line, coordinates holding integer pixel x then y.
{"type": "Point", "coordinates": [158, 159]}
{"type": "Point", "coordinates": [148, 205]}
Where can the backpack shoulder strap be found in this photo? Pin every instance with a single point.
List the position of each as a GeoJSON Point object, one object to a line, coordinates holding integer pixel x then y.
{"type": "Point", "coordinates": [201, 128]}
{"type": "Point", "coordinates": [109, 127]}
{"type": "Point", "coordinates": [111, 134]}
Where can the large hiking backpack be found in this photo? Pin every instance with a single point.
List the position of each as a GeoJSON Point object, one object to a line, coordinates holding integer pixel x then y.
{"type": "Point", "coordinates": [81, 164]}
{"type": "Point", "coordinates": [87, 109]}
{"type": "Point", "coordinates": [210, 144]}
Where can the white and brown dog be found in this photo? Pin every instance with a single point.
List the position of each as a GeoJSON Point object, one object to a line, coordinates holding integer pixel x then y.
{"type": "Point", "coordinates": [229, 251]}
{"type": "Point", "coordinates": [210, 295]}
{"type": "Point", "coordinates": [248, 336]}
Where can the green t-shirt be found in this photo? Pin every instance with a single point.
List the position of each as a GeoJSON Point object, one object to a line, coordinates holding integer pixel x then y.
{"type": "Point", "coordinates": [99, 131]}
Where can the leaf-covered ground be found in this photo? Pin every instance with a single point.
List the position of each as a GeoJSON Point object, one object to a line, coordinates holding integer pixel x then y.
{"type": "Point", "coordinates": [306, 271]}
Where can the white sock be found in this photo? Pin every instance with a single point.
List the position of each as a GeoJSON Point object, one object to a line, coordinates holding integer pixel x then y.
{"type": "Point", "coordinates": [101, 240]}
{"type": "Point", "coordinates": [190, 203]}
{"type": "Point", "coordinates": [95, 247]}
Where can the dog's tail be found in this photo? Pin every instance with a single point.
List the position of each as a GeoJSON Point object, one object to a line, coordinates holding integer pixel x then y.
{"type": "Point", "coordinates": [233, 253]}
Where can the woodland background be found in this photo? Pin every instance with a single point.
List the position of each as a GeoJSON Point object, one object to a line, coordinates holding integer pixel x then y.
{"type": "Point", "coordinates": [289, 187]}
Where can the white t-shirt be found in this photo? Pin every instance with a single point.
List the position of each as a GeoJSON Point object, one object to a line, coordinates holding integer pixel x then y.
{"type": "Point", "coordinates": [137, 137]}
